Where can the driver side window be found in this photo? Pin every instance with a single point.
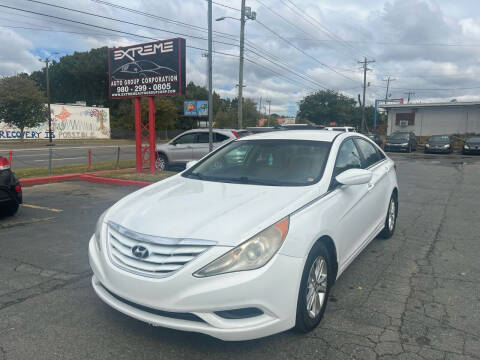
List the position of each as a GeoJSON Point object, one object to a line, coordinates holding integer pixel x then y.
{"type": "Point", "coordinates": [348, 158]}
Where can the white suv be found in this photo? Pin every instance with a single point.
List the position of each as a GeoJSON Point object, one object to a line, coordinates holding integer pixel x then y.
{"type": "Point", "coordinates": [191, 145]}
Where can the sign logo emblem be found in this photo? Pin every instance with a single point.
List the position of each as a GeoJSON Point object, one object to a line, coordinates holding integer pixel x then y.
{"type": "Point", "coordinates": [140, 251]}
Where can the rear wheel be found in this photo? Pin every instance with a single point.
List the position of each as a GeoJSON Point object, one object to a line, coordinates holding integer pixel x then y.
{"type": "Point", "coordinates": [391, 219]}
{"type": "Point", "coordinates": [161, 162]}
{"type": "Point", "coordinates": [314, 289]}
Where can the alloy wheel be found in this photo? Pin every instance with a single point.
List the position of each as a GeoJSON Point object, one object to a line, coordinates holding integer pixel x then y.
{"type": "Point", "coordinates": [316, 287]}
{"type": "Point", "coordinates": [160, 163]}
{"type": "Point", "coordinates": [391, 215]}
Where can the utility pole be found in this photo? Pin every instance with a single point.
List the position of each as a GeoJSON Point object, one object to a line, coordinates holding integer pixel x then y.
{"type": "Point", "coordinates": [240, 70]}
{"type": "Point", "coordinates": [210, 90]}
{"type": "Point", "coordinates": [246, 14]}
{"type": "Point", "coordinates": [269, 102]}
{"type": "Point", "coordinates": [388, 79]}
{"type": "Point", "coordinates": [364, 63]}
{"type": "Point", "coordinates": [47, 60]}
{"type": "Point", "coordinates": [409, 93]}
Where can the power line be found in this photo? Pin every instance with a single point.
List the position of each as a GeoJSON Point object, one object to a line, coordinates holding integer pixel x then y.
{"type": "Point", "coordinates": [303, 52]}
{"type": "Point", "coordinates": [225, 6]}
{"type": "Point", "coordinates": [152, 38]}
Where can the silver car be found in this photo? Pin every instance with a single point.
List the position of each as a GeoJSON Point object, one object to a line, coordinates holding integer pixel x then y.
{"type": "Point", "coordinates": [191, 145]}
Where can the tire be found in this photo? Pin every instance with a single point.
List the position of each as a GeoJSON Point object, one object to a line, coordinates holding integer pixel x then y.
{"type": "Point", "coordinates": [161, 162]}
{"type": "Point", "coordinates": [308, 317]}
{"type": "Point", "coordinates": [390, 223]}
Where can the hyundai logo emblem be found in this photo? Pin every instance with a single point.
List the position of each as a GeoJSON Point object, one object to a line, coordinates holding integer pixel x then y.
{"type": "Point", "coordinates": [140, 251]}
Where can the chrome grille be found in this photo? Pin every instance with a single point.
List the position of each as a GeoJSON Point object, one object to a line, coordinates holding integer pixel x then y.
{"type": "Point", "coordinates": [165, 255]}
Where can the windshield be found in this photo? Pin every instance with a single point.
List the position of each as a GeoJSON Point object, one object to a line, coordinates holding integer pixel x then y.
{"type": "Point", "coordinates": [265, 162]}
{"type": "Point", "coordinates": [473, 140]}
{"type": "Point", "coordinates": [398, 136]}
{"type": "Point", "coordinates": [440, 138]}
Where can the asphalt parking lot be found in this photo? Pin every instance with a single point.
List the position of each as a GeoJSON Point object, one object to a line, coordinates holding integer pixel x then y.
{"type": "Point", "coordinates": [414, 296]}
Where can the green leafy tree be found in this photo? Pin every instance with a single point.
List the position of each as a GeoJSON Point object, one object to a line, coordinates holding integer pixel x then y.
{"type": "Point", "coordinates": [326, 106]}
{"type": "Point", "coordinates": [22, 103]}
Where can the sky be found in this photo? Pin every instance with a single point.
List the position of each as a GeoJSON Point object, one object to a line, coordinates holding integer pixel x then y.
{"type": "Point", "coordinates": [293, 48]}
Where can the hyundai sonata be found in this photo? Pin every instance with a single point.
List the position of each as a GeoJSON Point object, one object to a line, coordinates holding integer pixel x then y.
{"type": "Point", "coordinates": [248, 241]}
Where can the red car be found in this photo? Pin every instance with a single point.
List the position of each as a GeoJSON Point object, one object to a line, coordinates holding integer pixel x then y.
{"type": "Point", "coordinates": [10, 189]}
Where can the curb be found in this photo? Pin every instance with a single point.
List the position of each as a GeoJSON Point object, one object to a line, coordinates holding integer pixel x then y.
{"type": "Point", "coordinates": [83, 177]}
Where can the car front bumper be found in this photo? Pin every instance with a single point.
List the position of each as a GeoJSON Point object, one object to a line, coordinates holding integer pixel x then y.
{"type": "Point", "coordinates": [184, 302]}
{"type": "Point", "coordinates": [437, 150]}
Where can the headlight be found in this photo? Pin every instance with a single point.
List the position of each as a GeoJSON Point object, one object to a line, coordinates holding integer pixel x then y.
{"type": "Point", "coordinates": [252, 254]}
{"type": "Point", "coordinates": [98, 230]}
{"type": "Point", "coordinates": [466, 147]}
{"type": "Point", "coordinates": [405, 144]}
{"type": "Point", "coordinates": [446, 146]}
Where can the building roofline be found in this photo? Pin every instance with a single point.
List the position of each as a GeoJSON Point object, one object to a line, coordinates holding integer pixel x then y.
{"type": "Point", "coordinates": [426, 105]}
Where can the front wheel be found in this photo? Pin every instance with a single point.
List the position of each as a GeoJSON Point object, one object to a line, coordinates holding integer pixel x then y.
{"type": "Point", "coordinates": [10, 210]}
{"type": "Point", "coordinates": [391, 219]}
{"type": "Point", "coordinates": [314, 289]}
{"type": "Point", "coordinates": [161, 162]}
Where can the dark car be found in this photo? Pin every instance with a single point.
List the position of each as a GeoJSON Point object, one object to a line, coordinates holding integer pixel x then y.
{"type": "Point", "coordinates": [401, 141]}
{"type": "Point", "coordinates": [472, 145]}
{"type": "Point", "coordinates": [10, 189]}
{"type": "Point", "coordinates": [439, 144]}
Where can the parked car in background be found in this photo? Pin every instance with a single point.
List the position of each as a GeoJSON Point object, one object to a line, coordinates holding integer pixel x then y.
{"type": "Point", "coordinates": [192, 145]}
{"type": "Point", "coordinates": [401, 141]}
{"type": "Point", "coordinates": [439, 144]}
{"type": "Point", "coordinates": [377, 139]}
{"type": "Point", "coordinates": [471, 145]}
{"type": "Point", "coordinates": [340, 128]}
{"type": "Point", "coordinates": [248, 241]}
{"type": "Point", "coordinates": [10, 189]}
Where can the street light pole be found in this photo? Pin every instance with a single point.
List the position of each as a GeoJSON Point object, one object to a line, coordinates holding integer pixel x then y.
{"type": "Point", "coordinates": [240, 70]}
{"type": "Point", "coordinates": [47, 60]}
{"type": "Point", "coordinates": [246, 14]}
{"type": "Point", "coordinates": [210, 90]}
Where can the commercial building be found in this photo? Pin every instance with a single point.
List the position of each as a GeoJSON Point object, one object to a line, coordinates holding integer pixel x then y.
{"type": "Point", "coordinates": [434, 118]}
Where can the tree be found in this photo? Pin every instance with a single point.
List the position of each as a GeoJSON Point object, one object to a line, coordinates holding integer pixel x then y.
{"type": "Point", "coordinates": [22, 103]}
{"type": "Point", "coordinates": [327, 106]}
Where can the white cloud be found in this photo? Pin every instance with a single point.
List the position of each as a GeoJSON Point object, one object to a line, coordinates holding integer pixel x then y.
{"type": "Point", "coordinates": [380, 29]}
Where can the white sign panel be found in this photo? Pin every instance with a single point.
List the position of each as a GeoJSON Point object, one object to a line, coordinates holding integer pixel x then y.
{"type": "Point", "coordinates": [68, 122]}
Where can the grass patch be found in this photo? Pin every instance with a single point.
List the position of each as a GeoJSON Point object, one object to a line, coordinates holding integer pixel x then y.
{"type": "Point", "coordinates": [130, 174]}
{"type": "Point", "coordinates": [71, 169]}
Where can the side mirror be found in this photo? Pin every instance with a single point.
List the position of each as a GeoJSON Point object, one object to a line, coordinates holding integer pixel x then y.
{"type": "Point", "coordinates": [189, 164]}
{"type": "Point", "coordinates": [173, 142]}
{"type": "Point", "coordinates": [354, 177]}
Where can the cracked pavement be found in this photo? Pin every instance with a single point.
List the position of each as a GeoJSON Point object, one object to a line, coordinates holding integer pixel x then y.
{"type": "Point", "coordinates": [414, 296]}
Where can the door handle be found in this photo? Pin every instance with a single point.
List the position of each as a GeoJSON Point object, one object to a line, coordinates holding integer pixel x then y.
{"type": "Point", "coordinates": [370, 186]}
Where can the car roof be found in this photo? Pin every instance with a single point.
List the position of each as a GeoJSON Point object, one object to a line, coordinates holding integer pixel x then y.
{"type": "Point", "coordinates": [315, 135]}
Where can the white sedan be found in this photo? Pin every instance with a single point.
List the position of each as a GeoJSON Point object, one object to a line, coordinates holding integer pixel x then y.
{"type": "Point", "coordinates": [248, 241]}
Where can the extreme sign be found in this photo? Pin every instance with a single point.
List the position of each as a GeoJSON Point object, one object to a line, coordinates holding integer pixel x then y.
{"type": "Point", "coordinates": [150, 69]}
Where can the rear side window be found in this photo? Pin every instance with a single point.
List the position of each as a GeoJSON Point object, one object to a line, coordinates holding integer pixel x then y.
{"type": "Point", "coordinates": [186, 139]}
{"type": "Point", "coordinates": [370, 154]}
{"type": "Point", "coordinates": [348, 158]}
{"type": "Point", "coordinates": [219, 137]}
{"type": "Point", "coordinates": [202, 137]}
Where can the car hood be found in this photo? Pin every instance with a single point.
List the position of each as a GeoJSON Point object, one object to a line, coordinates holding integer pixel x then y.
{"type": "Point", "coordinates": [194, 209]}
{"type": "Point", "coordinates": [397, 141]}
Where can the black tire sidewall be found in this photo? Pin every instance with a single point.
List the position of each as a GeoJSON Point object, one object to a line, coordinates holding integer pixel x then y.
{"type": "Point", "coordinates": [304, 323]}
